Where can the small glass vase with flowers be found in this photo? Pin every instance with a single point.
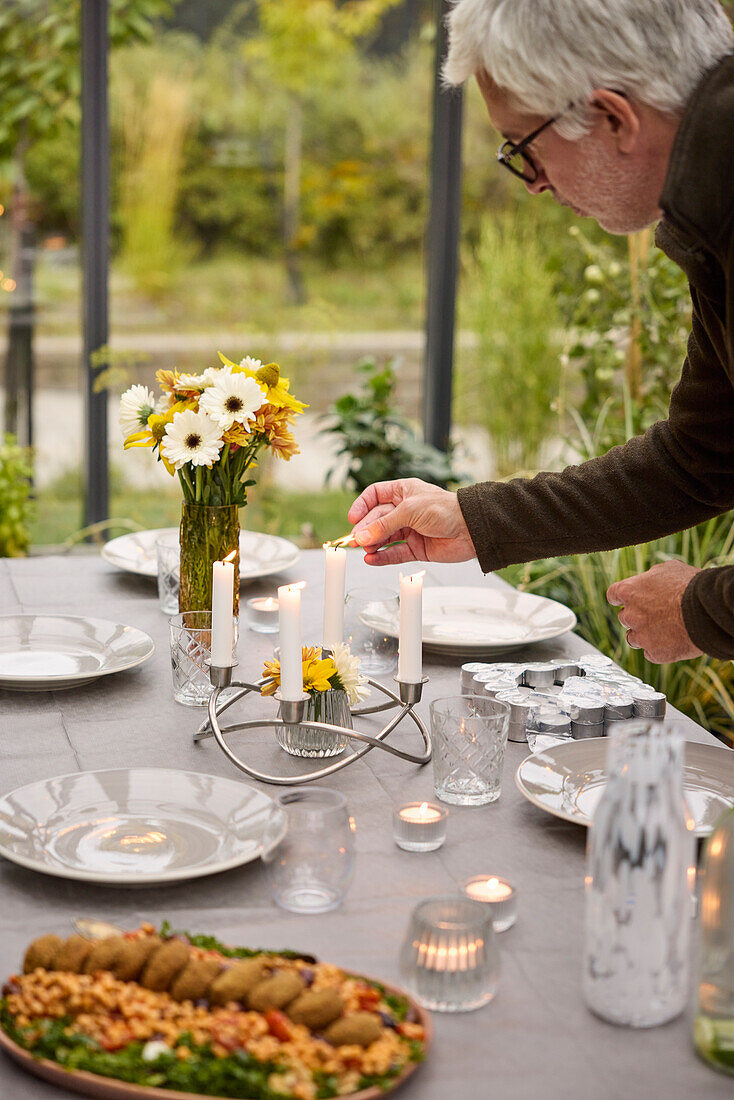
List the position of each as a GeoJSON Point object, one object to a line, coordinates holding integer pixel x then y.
{"type": "Point", "coordinates": [333, 683]}
{"type": "Point", "coordinates": [209, 429]}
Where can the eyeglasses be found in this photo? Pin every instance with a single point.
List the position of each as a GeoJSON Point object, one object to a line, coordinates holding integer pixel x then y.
{"type": "Point", "coordinates": [514, 156]}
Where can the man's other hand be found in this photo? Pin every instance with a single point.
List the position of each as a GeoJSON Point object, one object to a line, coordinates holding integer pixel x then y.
{"type": "Point", "coordinates": [426, 521]}
{"type": "Point", "coordinates": [651, 611]}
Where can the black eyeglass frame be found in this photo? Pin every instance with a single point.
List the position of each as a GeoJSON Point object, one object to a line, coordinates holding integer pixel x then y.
{"type": "Point", "coordinates": [509, 149]}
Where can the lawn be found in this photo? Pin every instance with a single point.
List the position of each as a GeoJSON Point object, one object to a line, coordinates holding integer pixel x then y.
{"type": "Point", "coordinates": [309, 518]}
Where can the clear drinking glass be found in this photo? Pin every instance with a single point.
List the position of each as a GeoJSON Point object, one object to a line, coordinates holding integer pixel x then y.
{"type": "Point", "coordinates": [449, 959]}
{"type": "Point", "coordinates": [713, 1033]}
{"type": "Point", "coordinates": [309, 849]}
{"type": "Point", "coordinates": [168, 557]}
{"type": "Point", "coordinates": [469, 736]}
{"type": "Point", "coordinates": [191, 645]}
{"type": "Point", "coordinates": [371, 617]}
{"type": "Point", "coordinates": [638, 905]}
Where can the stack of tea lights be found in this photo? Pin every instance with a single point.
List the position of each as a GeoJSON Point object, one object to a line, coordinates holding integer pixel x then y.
{"type": "Point", "coordinates": [561, 699]}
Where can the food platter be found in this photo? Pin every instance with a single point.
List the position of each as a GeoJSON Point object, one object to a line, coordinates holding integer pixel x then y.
{"type": "Point", "coordinates": [133, 826]}
{"type": "Point", "coordinates": [567, 781]}
{"type": "Point", "coordinates": [284, 1046]}
{"type": "Point", "coordinates": [260, 554]}
{"type": "Point", "coordinates": [48, 652]}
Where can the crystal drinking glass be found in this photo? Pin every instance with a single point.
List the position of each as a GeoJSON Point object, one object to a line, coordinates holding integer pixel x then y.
{"type": "Point", "coordinates": [449, 960]}
{"type": "Point", "coordinates": [191, 648]}
{"type": "Point", "coordinates": [469, 736]}
{"type": "Point", "coordinates": [309, 849]}
{"type": "Point", "coordinates": [168, 557]}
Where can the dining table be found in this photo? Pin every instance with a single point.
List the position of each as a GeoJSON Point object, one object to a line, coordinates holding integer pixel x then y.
{"type": "Point", "coordinates": [536, 1038]}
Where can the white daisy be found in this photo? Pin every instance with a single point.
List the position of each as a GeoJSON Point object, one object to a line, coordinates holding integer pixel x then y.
{"type": "Point", "coordinates": [191, 437]}
{"type": "Point", "coordinates": [136, 405]}
{"type": "Point", "coordinates": [251, 364]}
{"type": "Point", "coordinates": [189, 382]}
{"type": "Point", "coordinates": [347, 666]}
{"type": "Point", "coordinates": [232, 399]}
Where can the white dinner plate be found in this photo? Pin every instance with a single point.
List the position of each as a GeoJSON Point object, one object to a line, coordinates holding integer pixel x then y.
{"type": "Point", "coordinates": [133, 826]}
{"type": "Point", "coordinates": [260, 555]}
{"type": "Point", "coordinates": [45, 652]}
{"type": "Point", "coordinates": [567, 781]}
{"type": "Point", "coordinates": [474, 621]}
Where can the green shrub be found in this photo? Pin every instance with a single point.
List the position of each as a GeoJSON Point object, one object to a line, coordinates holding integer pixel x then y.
{"type": "Point", "coordinates": [513, 380]}
{"type": "Point", "coordinates": [380, 443]}
{"type": "Point", "coordinates": [16, 471]}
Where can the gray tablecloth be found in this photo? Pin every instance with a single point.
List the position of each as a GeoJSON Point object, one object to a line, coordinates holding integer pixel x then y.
{"type": "Point", "coordinates": [536, 1039]}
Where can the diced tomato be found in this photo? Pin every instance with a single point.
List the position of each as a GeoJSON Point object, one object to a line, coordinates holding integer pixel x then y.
{"type": "Point", "coordinates": [278, 1024]}
{"type": "Point", "coordinates": [368, 997]}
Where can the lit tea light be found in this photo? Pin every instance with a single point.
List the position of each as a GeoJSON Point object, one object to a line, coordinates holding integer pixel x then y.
{"type": "Point", "coordinates": [262, 614]}
{"type": "Point", "coordinates": [498, 894]}
{"type": "Point", "coordinates": [419, 826]}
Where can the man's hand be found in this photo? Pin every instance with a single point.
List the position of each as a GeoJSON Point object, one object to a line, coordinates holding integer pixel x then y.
{"type": "Point", "coordinates": [429, 519]}
{"type": "Point", "coordinates": [652, 611]}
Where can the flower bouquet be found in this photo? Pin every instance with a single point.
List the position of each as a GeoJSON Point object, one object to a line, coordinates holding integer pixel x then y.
{"type": "Point", "coordinates": [333, 684]}
{"type": "Point", "coordinates": [209, 429]}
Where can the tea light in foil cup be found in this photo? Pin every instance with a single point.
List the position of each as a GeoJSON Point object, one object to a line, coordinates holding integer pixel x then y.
{"type": "Point", "coordinates": [419, 826]}
{"type": "Point", "coordinates": [522, 702]}
{"type": "Point", "coordinates": [468, 672]}
{"type": "Point", "coordinates": [650, 705]}
{"type": "Point", "coordinates": [592, 661]}
{"type": "Point", "coordinates": [564, 669]}
{"type": "Point", "coordinates": [618, 706]}
{"type": "Point", "coordinates": [539, 674]}
{"type": "Point", "coordinates": [262, 614]}
{"type": "Point", "coordinates": [493, 685]}
{"type": "Point", "coordinates": [498, 895]}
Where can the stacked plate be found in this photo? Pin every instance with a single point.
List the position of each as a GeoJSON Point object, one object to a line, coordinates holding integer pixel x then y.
{"type": "Point", "coordinates": [260, 555]}
{"type": "Point", "coordinates": [473, 622]}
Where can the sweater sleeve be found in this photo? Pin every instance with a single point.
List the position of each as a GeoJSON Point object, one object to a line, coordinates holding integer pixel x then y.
{"type": "Point", "coordinates": [679, 473]}
{"type": "Point", "coordinates": [708, 611]}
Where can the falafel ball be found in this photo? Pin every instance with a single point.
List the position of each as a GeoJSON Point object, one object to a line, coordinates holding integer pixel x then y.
{"type": "Point", "coordinates": [166, 962]}
{"type": "Point", "coordinates": [133, 957]}
{"type": "Point", "coordinates": [194, 980]}
{"type": "Point", "coordinates": [72, 954]}
{"type": "Point", "coordinates": [104, 954]}
{"type": "Point", "coordinates": [358, 1028]}
{"type": "Point", "coordinates": [276, 992]}
{"type": "Point", "coordinates": [41, 953]}
{"type": "Point", "coordinates": [234, 983]}
{"type": "Point", "coordinates": [316, 1009]}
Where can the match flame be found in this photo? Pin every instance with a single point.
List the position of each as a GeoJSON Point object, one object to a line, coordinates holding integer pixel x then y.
{"type": "Point", "coordinates": [343, 541]}
{"type": "Point", "coordinates": [231, 557]}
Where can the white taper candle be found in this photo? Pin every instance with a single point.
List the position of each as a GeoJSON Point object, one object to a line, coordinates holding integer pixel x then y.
{"type": "Point", "coordinates": [289, 622]}
{"type": "Point", "coordinates": [335, 569]}
{"type": "Point", "coordinates": [410, 644]}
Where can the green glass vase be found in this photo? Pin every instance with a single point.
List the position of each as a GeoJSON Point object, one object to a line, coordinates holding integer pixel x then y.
{"type": "Point", "coordinates": [206, 535]}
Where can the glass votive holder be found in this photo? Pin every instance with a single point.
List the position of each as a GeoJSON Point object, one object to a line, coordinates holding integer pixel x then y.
{"type": "Point", "coordinates": [469, 736]}
{"type": "Point", "coordinates": [449, 959]}
{"type": "Point", "coordinates": [168, 564]}
{"type": "Point", "coordinates": [499, 896]}
{"type": "Point", "coordinates": [262, 614]}
{"type": "Point", "coordinates": [419, 826]}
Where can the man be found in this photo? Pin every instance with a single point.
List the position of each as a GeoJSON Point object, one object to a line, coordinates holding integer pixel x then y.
{"type": "Point", "coordinates": [624, 111]}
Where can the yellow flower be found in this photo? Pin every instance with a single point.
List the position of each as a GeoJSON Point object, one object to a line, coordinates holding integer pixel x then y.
{"type": "Point", "coordinates": [317, 672]}
{"type": "Point", "coordinates": [278, 387]}
{"type": "Point", "coordinates": [273, 423]}
{"type": "Point", "coordinates": [153, 434]}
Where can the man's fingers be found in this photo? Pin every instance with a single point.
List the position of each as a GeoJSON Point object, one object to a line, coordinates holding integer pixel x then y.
{"type": "Point", "coordinates": [632, 640]}
{"type": "Point", "coordinates": [394, 555]}
{"type": "Point", "coordinates": [615, 593]}
{"type": "Point", "coordinates": [382, 492]}
{"type": "Point", "coordinates": [382, 529]}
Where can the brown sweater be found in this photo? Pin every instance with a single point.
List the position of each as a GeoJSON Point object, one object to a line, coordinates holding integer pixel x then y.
{"type": "Point", "coordinates": [681, 471]}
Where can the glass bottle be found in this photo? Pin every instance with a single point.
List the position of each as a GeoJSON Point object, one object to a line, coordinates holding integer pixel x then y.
{"type": "Point", "coordinates": [638, 904]}
{"type": "Point", "coordinates": [713, 1032]}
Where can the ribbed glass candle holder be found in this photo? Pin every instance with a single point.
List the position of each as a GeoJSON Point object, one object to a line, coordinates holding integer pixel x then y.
{"type": "Point", "coordinates": [449, 959]}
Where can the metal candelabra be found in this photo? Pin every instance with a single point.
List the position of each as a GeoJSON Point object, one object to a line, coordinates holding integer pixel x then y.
{"type": "Point", "coordinates": [292, 713]}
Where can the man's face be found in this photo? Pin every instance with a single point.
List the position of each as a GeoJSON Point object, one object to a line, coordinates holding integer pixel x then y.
{"type": "Point", "coordinates": [593, 176]}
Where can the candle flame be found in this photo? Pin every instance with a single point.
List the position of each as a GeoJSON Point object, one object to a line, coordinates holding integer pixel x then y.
{"type": "Point", "coordinates": [230, 557]}
{"type": "Point", "coordinates": [493, 882]}
{"type": "Point", "coordinates": [343, 541]}
{"type": "Point", "coordinates": [423, 809]}
{"type": "Point", "coordinates": [293, 587]}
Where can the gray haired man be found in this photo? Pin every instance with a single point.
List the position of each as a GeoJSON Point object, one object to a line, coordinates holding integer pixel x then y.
{"type": "Point", "coordinates": [624, 111]}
